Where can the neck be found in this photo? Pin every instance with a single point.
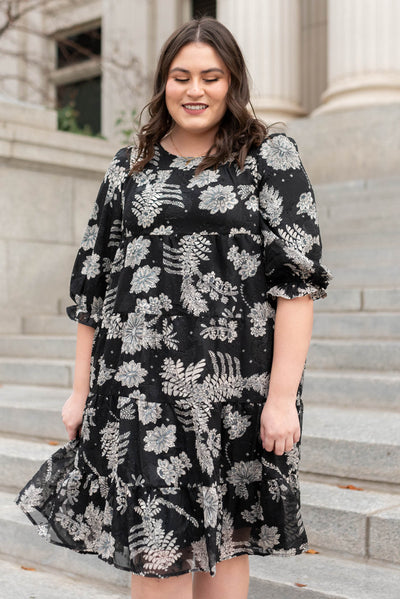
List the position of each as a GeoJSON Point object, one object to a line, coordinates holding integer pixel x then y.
{"type": "Point", "coordinates": [189, 144]}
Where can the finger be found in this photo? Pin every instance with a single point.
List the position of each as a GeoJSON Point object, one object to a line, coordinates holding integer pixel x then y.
{"type": "Point", "coordinates": [268, 443]}
{"type": "Point", "coordinates": [289, 444]}
{"type": "Point", "coordinates": [279, 446]}
{"type": "Point", "coordinates": [296, 436]}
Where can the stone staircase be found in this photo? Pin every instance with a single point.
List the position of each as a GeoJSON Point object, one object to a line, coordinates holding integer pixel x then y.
{"type": "Point", "coordinates": [350, 467]}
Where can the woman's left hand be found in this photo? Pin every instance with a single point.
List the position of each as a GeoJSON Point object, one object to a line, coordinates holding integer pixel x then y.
{"type": "Point", "coordinates": [279, 425]}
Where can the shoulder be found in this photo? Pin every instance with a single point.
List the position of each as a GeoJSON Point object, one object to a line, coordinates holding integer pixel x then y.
{"type": "Point", "coordinates": [123, 156]}
{"type": "Point", "coordinates": [278, 151]}
{"type": "Point", "coordinates": [121, 162]}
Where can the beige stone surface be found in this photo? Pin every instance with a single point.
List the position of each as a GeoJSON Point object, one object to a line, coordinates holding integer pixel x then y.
{"type": "Point", "coordinates": [37, 273]}
{"type": "Point", "coordinates": [36, 205]}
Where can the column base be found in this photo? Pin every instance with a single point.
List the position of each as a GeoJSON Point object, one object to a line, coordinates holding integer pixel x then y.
{"type": "Point", "coordinates": [276, 109]}
{"type": "Point", "coordinates": [356, 92]}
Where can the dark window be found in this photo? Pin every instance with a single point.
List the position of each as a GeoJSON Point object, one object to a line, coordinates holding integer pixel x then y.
{"type": "Point", "coordinates": [85, 98]}
{"type": "Point", "coordinates": [204, 8]}
{"type": "Point", "coordinates": [79, 47]}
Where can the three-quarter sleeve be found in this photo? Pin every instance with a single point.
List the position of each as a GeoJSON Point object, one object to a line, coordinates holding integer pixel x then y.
{"type": "Point", "coordinates": [92, 266]}
{"type": "Point", "coordinates": [292, 246]}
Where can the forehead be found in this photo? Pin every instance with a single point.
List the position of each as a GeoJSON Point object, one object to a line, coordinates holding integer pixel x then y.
{"type": "Point", "coordinates": [197, 56]}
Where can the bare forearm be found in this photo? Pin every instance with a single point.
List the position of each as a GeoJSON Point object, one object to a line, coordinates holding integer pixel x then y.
{"type": "Point", "coordinates": [293, 329]}
{"type": "Point", "coordinates": [84, 341]}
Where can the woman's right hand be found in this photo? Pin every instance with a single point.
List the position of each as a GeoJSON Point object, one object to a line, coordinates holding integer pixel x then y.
{"type": "Point", "coordinates": [72, 414]}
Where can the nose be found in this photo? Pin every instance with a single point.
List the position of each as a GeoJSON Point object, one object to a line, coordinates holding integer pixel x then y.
{"type": "Point", "coordinates": [195, 89]}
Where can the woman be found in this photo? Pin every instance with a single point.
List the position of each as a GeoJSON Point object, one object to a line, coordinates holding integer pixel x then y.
{"type": "Point", "coordinates": [193, 291]}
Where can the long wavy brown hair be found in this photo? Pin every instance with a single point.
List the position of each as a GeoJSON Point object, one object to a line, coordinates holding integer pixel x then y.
{"type": "Point", "coordinates": [238, 129]}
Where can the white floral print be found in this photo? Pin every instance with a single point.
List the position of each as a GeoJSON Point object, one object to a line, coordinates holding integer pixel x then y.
{"type": "Point", "coordinates": [218, 198]}
{"type": "Point", "coordinates": [160, 439]}
{"type": "Point", "coordinates": [130, 374]}
{"type": "Point", "coordinates": [280, 153]}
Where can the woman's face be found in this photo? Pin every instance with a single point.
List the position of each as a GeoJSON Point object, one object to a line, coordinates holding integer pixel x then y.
{"type": "Point", "coordinates": [196, 88]}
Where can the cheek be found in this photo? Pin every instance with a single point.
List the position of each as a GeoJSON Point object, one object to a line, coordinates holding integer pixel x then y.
{"type": "Point", "coordinates": [221, 96]}
{"type": "Point", "coordinates": [172, 91]}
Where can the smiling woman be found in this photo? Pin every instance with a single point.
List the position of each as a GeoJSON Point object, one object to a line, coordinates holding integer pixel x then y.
{"type": "Point", "coordinates": [195, 95]}
{"type": "Point", "coordinates": [195, 277]}
{"type": "Point", "coordinates": [200, 64]}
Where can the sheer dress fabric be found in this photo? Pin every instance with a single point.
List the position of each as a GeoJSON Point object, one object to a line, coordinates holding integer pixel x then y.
{"type": "Point", "coordinates": [179, 275]}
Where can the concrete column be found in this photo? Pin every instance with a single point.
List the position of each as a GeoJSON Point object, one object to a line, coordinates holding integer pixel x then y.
{"type": "Point", "coordinates": [363, 54]}
{"type": "Point", "coordinates": [268, 34]}
{"type": "Point", "coordinates": [133, 33]}
{"type": "Point", "coordinates": [313, 51]}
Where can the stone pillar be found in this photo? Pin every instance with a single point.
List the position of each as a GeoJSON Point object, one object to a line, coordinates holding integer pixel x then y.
{"type": "Point", "coordinates": [133, 33]}
{"type": "Point", "coordinates": [363, 54]}
{"type": "Point", "coordinates": [268, 34]}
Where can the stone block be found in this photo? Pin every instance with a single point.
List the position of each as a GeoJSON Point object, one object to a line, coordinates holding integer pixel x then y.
{"type": "Point", "coordinates": [20, 460]}
{"type": "Point", "coordinates": [36, 371]}
{"type": "Point", "coordinates": [36, 205]}
{"type": "Point", "coordinates": [23, 542]}
{"type": "Point", "coordinates": [19, 583]}
{"type": "Point", "coordinates": [32, 115]}
{"type": "Point", "coordinates": [37, 275]}
{"type": "Point", "coordinates": [381, 299]}
{"type": "Point", "coordinates": [324, 578]}
{"type": "Point", "coordinates": [363, 267]}
{"type": "Point", "coordinates": [320, 136]}
{"type": "Point", "coordinates": [33, 411]}
{"type": "Point", "coordinates": [32, 346]}
{"type": "Point", "coordinates": [365, 354]}
{"type": "Point", "coordinates": [339, 299]}
{"type": "Point", "coordinates": [354, 389]}
{"type": "Point", "coordinates": [336, 519]}
{"type": "Point", "coordinates": [352, 443]}
{"type": "Point", "coordinates": [46, 324]}
{"type": "Point", "coordinates": [384, 535]}
{"type": "Point", "coordinates": [360, 325]}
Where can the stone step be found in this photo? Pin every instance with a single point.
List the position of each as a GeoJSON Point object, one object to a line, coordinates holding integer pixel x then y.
{"type": "Point", "coordinates": [361, 239]}
{"type": "Point", "coordinates": [340, 519]}
{"type": "Point", "coordinates": [381, 299]}
{"type": "Point", "coordinates": [358, 267]}
{"type": "Point", "coordinates": [48, 324]}
{"type": "Point", "coordinates": [34, 411]}
{"type": "Point", "coordinates": [32, 346]}
{"type": "Point", "coordinates": [321, 576]}
{"type": "Point", "coordinates": [365, 354]}
{"type": "Point", "coordinates": [376, 325]}
{"type": "Point", "coordinates": [344, 192]}
{"type": "Point", "coordinates": [354, 299]}
{"type": "Point", "coordinates": [17, 582]}
{"type": "Point", "coordinates": [353, 388]}
{"type": "Point", "coordinates": [37, 371]}
{"type": "Point", "coordinates": [22, 541]}
{"type": "Point", "coordinates": [354, 443]}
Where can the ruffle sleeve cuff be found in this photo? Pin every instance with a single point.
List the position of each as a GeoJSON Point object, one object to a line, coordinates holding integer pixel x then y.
{"type": "Point", "coordinates": [290, 273]}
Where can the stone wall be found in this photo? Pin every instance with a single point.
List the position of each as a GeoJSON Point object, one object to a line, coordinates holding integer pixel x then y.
{"type": "Point", "coordinates": [49, 182]}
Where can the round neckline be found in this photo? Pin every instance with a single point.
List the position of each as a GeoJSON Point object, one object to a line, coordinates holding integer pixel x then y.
{"type": "Point", "coordinates": [189, 158]}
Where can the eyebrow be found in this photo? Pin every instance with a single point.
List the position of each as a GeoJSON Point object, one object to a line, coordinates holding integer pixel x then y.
{"type": "Point", "coordinates": [205, 71]}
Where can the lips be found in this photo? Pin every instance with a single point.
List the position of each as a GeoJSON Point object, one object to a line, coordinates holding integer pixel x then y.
{"type": "Point", "coordinates": [195, 106]}
{"type": "Point", "coordinates": [194, 109]}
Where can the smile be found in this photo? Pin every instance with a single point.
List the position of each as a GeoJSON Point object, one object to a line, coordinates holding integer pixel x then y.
{"type": "Point", "coordinates": [195, 107]}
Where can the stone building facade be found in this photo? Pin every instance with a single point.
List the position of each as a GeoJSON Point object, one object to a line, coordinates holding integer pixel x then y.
{"type": "Point", "coordinates": [329, 68]}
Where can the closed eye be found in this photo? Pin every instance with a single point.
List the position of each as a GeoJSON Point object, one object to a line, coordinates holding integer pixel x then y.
{"type": "Point", "coordinates": [206, 80]}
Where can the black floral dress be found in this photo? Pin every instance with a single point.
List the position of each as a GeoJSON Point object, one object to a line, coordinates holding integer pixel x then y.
{"type": "Point", "coordinates": [179, 275]}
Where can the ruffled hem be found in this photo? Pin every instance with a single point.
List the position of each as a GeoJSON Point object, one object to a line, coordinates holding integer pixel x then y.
{"type": "Point", "coordinates": [146, 544]}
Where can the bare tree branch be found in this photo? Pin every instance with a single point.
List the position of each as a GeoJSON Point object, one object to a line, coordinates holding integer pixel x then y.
{"type": "Point", "coordinates": [13, 16]}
